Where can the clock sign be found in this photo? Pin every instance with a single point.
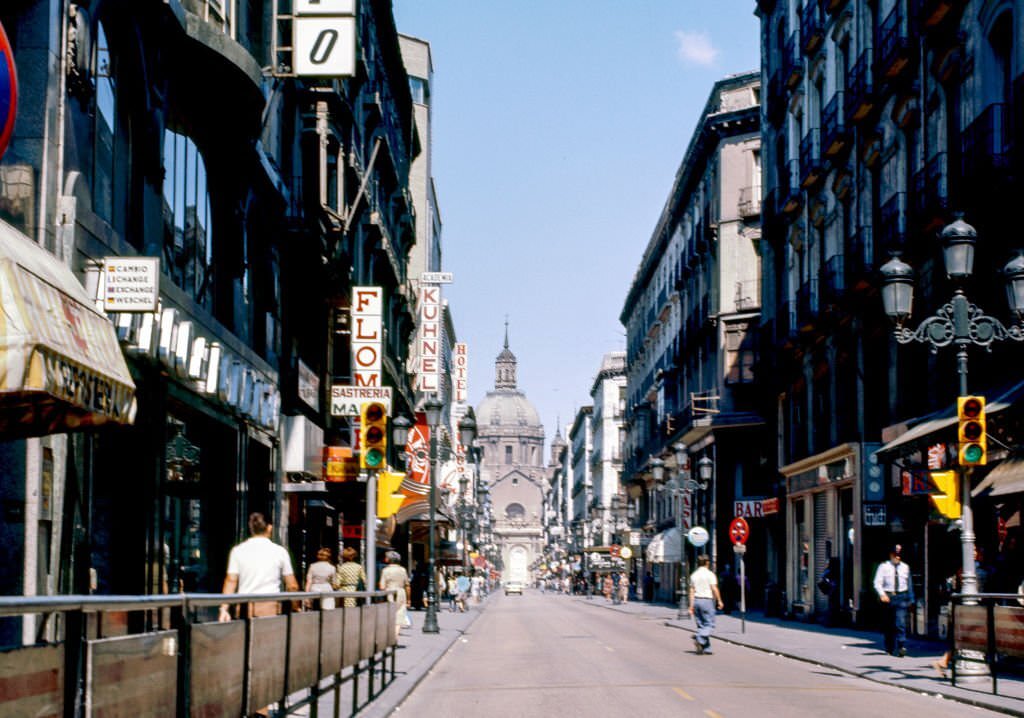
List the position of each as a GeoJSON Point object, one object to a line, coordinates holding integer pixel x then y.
{"type": "Point", "coordinates": [8, 91]}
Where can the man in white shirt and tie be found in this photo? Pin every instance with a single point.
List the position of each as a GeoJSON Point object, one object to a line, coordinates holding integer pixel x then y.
{"type": "Point", "coordinates": [896, 592]}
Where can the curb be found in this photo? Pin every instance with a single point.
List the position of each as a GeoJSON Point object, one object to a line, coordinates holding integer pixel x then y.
{"type": "Point", "coordinates": [383, 708]}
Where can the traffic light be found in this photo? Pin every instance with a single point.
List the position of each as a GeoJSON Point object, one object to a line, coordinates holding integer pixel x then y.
{"type": "Point", "coordinates": [946, 496]}
{"type": "Point", "coordinates": [970, 411]}
{"type": "Point", "coordinates": [373, 436]}
{"type": "Point", "coordinates": [389, 498]}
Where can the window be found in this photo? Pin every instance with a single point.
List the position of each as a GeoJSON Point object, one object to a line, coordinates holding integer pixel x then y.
{"type": "Point", "coordinates": [515, 512]}
{"type": "Point", "coordinates": [418, 88]}
{"type": "Point", "coordinates": [188, 244]}
{"type": "Point", "coordinates": [104, 130]}
{"type": "Point", "coordinates": [508, 454]}
{"type": "Point", "coordinates": [739, 354]}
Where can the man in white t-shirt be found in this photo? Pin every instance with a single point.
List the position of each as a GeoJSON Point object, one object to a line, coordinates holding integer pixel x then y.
{"type": "Point", "coordinates": [704, 597]}
{"type": "Point", "coordinates": [258, 565]}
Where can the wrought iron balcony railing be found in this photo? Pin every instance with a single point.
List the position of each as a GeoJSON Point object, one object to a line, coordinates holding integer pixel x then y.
{"type": "Point", "coordinates": [834, 137]}
{"type": "Point", "coordinates": [812, 26]}
{"type": "Point", "coordinates": [893, 219]}
{"type": "Point", "coordinates": [894, 45]}
{"type": "Point", "coordinates": [860, 90]}
{"type": "Point", "coordinates": [812, 168]}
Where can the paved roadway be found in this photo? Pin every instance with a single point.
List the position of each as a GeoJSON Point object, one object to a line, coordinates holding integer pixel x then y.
{"type": "Point", "coordinates": [545, 654]}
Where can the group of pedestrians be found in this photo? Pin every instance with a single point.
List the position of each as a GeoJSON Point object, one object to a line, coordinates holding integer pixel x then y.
{"type": "Point", "coordinates": [260, 566]}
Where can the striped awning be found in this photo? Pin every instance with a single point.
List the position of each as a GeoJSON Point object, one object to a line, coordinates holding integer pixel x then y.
{"type": "Point", "coordinates": [61, 368]}
{"type": "Point", "coordinates": [666, 547]}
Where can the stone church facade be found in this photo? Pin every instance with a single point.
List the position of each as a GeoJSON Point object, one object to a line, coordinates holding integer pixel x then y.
{"type": "Point", "coordinates": [512, 437]}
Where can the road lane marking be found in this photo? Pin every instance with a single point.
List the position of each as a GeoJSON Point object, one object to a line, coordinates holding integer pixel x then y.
{"type": "Point", "coordinates": [609, 649]}
{"type": "Point", "coordinates": [711, 714]}
{"type": "Point", "coordinates": [683, 693]}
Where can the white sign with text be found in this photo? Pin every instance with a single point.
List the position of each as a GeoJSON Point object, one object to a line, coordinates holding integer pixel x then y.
{"type": "Point", "coordinates": [367, 331]}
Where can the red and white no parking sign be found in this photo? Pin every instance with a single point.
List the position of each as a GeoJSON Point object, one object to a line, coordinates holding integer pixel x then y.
{"type": "Point", "coordinates": [8, 91]}
{"type": "Point", "coordinates": [739, 530]}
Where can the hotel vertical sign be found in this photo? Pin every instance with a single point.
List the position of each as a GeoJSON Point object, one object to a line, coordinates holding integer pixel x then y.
{"type": "Point", "coordinates": [460, 372]}
{"type": "Point", "coordinates": [367, 330]}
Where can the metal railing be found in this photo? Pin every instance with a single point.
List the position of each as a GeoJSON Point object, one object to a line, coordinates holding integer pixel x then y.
{"type": "Point", "coordinates": [169, 655]}
{"type": "Point", "coordinates": [991, 624]}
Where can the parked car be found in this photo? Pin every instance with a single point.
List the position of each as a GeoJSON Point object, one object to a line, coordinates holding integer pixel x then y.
{"type": "Point", "coordinates": [514, 587]}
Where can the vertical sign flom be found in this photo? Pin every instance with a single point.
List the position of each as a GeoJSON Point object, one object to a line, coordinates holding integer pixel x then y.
{"type": "Point", "coordinates": [430, 338]}
{"type": "Point", "coordinates": [367, 330]}
{"type": "Point", "coordinates": [460, 372]}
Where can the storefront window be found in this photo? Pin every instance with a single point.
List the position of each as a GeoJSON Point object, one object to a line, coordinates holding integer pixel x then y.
{"type": "Point", "coordinates": [188, 244]}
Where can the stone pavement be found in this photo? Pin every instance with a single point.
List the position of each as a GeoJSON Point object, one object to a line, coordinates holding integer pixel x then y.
{"type": "Point", "coordinates": [858, 653]}
{"type": "Point", "coordinates": [417, 654]}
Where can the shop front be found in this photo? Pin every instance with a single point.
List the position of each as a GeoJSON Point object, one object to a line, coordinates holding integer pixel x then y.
{"type": "Point", "coordinates": [824, 532]}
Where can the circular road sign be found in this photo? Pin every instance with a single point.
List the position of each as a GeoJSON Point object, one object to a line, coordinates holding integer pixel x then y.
{"type": "Point", "coordinates": [614, 550]}
{"type": "Point", "coordinates": [739, 530]}
{"type": "Point", "coordinates": [698, 536]}
{"type": "Point", "coordinates": [626, 552]}
{"type": "Point", "coordinates": [8, 91]}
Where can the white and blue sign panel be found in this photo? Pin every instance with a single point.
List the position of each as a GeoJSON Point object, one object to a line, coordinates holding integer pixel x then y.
{"type": "Point", "coordinates": [8, 91]}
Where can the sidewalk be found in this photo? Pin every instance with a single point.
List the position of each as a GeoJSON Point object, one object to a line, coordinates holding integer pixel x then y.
{"type": "Point", "coordinates": [417, 654]}
{"type": "Point", "coordinates": [851, 651]}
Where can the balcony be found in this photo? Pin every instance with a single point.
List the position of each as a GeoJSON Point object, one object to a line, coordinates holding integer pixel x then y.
{"type": "Point", "coordinates": [893, 219]}
{"type": "Point", "coordinates": [834, 137]}
{"type": "Point", "coordinates": [812, 169]}
{"type": "Point", "coordinates": [931, 193]}
{"type": "Point", "coordinates": [860, 90]}
{"type": "Point", "coordinates": [790, 196]}
{"type": "Point", "coordinates": [812, 27]}
{"type": "Point", "coordinates": [894, 47]}
{"type": "Point", "coordinates": [986, 146]}
{"type": "Point", "coordinates": [750, 202]}
{"type": "Point", "coordinates": [792, 61]}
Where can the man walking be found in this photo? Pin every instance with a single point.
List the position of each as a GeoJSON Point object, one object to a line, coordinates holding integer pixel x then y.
{"type": "Point", "coordinates": [896, 592]}
{"type": "Point", "coordinates": [704, 597]}
{"type": "Point", "coordinates": [258, 565]}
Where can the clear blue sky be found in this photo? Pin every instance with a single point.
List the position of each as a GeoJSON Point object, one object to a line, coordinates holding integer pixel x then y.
{"type": "Point", "coordinates": [558, 128]}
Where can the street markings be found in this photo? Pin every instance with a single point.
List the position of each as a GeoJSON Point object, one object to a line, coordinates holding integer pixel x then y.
{"type": "Point", "coordinates": [683, 693]}
{"type": "Point", "coordinates": [711, 714]}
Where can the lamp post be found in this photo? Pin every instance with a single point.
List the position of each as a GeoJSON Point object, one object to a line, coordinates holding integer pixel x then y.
{"type": "Point", "coordinates": [467, 435]}
{"type": "Point", "coordinates": [962, 324]}
{"type": "Point", "coordinates": [432, 408]}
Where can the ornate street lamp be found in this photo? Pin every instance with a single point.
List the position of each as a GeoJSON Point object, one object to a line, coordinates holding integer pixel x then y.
{"type": "Point", "coordinates": [961, 323]}
{"type": "Point", "coordinates": [432, 408]}
{"type": "Point", "coordinates": [400, 426]}
{"type": "Point", "coordinates": [683, 485]}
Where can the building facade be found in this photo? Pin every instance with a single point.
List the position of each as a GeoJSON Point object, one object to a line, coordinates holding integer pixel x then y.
{"type": "Point", "coordinates": [608, 400]}
{"type": "Point", "coordinates": [692, 316]}
{"type": "Point", "coordinates": [881, 119]}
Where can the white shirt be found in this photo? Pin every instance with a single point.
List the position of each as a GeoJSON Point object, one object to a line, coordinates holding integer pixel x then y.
{"type": "Point", "coordinates": [888, 574]}
{"type": "Point", "coordinates": [260, 564]}
{"type": "Point", "coordinates": [702, 580]}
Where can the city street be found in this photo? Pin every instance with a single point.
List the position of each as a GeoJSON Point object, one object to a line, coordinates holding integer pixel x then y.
{"type": "Point", "coordinates": [541, 654]}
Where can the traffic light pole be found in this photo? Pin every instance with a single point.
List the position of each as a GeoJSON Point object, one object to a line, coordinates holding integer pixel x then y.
{"type": "Point", "coordinates": [969, 577]}
{"type": "Point", "coordinates": [371, 529]}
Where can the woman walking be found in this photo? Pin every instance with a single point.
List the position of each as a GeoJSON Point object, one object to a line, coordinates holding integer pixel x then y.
{"type": "Point", "coordinates": [394, 578]}
{"type": "Point", "coordinates": [350, 574]}
{"type": "Point", "coordinates": [319, 575]}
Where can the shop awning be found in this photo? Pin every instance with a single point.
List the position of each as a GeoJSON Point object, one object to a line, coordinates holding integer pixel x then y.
{"type": "Point", "coordinates": [1007, 477]}
{"type": "Point", "coordinates": [61, 368]}
{"type": "Point", "coordinates": [665, 547]}
{"type": "Point", "coordinates": [923, 429]}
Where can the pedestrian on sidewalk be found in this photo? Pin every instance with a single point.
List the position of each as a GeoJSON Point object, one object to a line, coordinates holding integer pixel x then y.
{"type": "Point", "coordinates": [318, 578]}
{"type": "Point", "coordinates": [350, 575]}
{"type": "Point", "coordinates": [395, 579]}
{"type": "Point", "coordinates": [896, 592]}
{"type": "Point", "coordinates": [258, 565]}
{"type": "Point", "coordinates": [704, 597]}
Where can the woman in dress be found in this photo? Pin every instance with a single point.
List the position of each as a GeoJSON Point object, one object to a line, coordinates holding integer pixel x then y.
{"type": "Point", "coordinates": [319, 575]}
{"type": "Point", "coordinates": [394, 578]}
{"type": "Point", "coordinates": [350, 574]}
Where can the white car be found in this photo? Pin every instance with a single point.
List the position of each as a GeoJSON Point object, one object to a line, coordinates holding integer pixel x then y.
{"type": "Point", "coordinates": [514, 587]}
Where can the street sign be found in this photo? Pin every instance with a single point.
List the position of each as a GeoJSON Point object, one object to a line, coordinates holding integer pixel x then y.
{"type": "Point", "coordinates": [698, 536]}
{"type": "Point", "coordinates": [739, 530]}
{"type": "Point", "coordinates": [131, 284]}
{"type": "Point", "coordinates": [437, 277]}
{"type": "Point", "coordinates": [626, 552]}
{"type": "Point", "coordinates": [614, 550]}
{"type": "Point", "coordinates": [739, 549]}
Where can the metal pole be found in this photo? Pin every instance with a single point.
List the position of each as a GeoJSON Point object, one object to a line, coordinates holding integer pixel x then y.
{"type": "Point", "coordinates": [684, 579]}
{"type": "Point", "coordinates": [371, 530]}
{"type": "Point", "coordinates": [743, 594]}
{"type": "Point", "coordinates": [969, 583]}
{"type": "Point", "coordinates": [430, 620]}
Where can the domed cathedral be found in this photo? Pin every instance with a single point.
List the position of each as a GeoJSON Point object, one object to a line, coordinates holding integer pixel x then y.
{"type": "Point", "coordinates": [512, 438]}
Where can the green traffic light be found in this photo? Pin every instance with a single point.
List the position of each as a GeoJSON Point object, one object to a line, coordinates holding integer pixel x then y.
{"type": "Point", "coordinates": [973, 453]}
{"type": "Point", "coordinates": [374, 457]}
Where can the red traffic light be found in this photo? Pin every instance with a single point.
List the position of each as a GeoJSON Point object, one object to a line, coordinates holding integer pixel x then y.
{"type": "Point", "coordinates": [971, 408]}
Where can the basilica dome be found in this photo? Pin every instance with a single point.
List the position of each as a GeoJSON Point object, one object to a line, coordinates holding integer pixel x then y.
{"type": "Point", "coordinates": [506, 408]}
